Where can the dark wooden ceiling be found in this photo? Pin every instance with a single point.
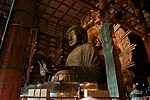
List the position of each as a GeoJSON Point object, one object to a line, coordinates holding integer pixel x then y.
{"type": "Point", "coordinates": [62, 12]}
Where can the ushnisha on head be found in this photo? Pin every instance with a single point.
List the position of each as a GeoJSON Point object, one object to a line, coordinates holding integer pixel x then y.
{"type": "Point", "coordinates": [77, 35]}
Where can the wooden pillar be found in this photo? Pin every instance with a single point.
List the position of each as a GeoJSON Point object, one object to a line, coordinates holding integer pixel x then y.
{"type": "Point", "coordinates": [113, 66]}
{"type": "Point", "coordinates": [143, 25]}
{"type": "Point", "coordinates": [119, 74]}
{"type": "Point", "coordinates": [147, 46]}
{"type": "Point", "coordinates": [14, 49]}
{"type": "Point", "coordinates": [144, 29]}
{"type": "Point", "coordinates": [32, 52]}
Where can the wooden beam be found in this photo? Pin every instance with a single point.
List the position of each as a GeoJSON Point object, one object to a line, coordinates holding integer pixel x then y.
{"type": "Point", "coordinates": [130, 28]}
{"type": "Point", "coordinates": [87, 4]}
{"type": "Point", "coordinates": [33, 44]}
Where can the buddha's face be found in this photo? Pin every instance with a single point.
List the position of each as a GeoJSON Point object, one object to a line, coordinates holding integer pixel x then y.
{"type": "Point", "coordinates": [72, 38]}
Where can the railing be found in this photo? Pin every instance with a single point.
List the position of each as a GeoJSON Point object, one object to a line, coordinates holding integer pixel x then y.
{"type": "Point", "coordinates": [48, 98]}
{"type": "Point", "coordinates": [65, 98]}
{"type": "Point", "coordinates": [73, 98]}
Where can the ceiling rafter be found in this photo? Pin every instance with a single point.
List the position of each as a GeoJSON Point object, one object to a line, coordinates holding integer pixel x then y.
{"type": "Point", "coordinates": [74, 15]}
{"type": "Point", "coordinates": [51, 16]}
{"type": "Point", "coordinates": [37, 17]}
{"type": "Point", "coordinates": [56, 10]}
{"type": "Point", "coordinates": [66, 13]}
{"type": "Point", "coordinates": [87, 4]}
{"type": "Point", "coordinates": [45, 7]}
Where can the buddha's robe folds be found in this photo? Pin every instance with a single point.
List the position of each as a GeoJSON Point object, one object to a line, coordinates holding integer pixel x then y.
{"type": "Point", "coordinates": [85, 59]}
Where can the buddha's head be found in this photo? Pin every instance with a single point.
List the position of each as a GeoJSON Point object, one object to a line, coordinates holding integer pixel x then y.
{"type": "Point", "coordinates": [77, 35]}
